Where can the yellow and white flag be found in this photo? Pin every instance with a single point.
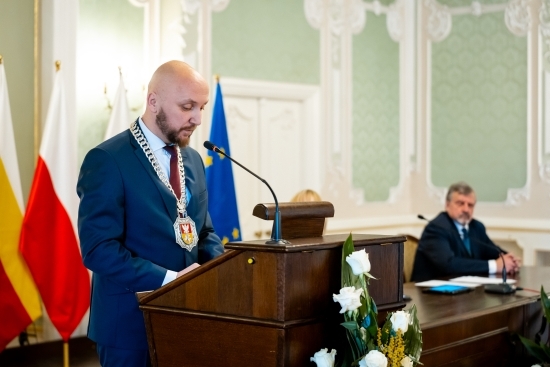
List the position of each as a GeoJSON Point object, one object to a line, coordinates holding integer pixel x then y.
{"type": "Point", "coordinates": [19, 300]}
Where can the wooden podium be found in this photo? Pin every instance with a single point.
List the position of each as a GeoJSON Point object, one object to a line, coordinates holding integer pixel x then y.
{"type": "Point", "coordinates": [266, 305]}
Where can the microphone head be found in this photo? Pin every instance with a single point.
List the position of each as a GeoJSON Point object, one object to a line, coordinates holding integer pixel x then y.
{"type": "Point", "coordinates": [420, 216]}
{"type": "Point", "coordinates": [208, 145]}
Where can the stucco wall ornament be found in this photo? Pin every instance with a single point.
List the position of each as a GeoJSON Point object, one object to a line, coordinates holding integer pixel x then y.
{"type": "Point", "coordinates": [313, 10]}
{"type": "Point", "coordinates": [518, 17]}
{"type": "Point", "coordinates": [356, 17]}
{"type": "Point", "coordinates": [544, 17]}
{"type": "Point", "coordinates": [516, 196]}
{"type": "Point", "coordinates": [544, 172]}
{"type": "Point", "coordinates": [192, 6]}
{"type": "Point", "coordinates": [394, 20]}
{"type": "Point", "coordinates": [439, 21]}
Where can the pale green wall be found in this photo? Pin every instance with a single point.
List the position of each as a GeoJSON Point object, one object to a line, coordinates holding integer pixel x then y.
{"type": "Point", "coordinates": [17, 49]}
{"type": "Point", "coordinates": [110, 34]}
{"type": "Point", "coordinates": [479, 107]}
{"type": "Point", "coordinates": [265, 40]}
{"type": "Point", "coordinates": [375, 110]}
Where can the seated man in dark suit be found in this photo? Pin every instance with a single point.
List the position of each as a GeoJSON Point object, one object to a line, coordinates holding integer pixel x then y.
{"type": "Point", "coordinates": [456, 244]}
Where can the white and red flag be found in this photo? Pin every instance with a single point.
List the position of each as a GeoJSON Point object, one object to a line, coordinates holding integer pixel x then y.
{"type": "Point", "coordinates": [120, 114]}
{"type": "Point", "coordinates": [19, 301]}
{"type": "Point", "coordinates": [49, 241]}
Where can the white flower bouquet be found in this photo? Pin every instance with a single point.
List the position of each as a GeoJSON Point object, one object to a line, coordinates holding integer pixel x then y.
{"type": "Point", "coordinates": [397, 343]}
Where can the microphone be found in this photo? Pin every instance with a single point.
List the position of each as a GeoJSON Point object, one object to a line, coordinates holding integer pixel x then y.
{"type": "Point", "coordinates": [276, 232]}
{"type": "Point", "coordinates": [502, 288]}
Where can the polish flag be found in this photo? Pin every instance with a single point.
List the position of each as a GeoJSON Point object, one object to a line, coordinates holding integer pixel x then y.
{"type": "Point", "coordinates": [49, 241]}
{"type": "Point", "coordinates": [19, 301]}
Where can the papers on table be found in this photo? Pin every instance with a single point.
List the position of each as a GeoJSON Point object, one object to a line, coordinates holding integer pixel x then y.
{"type": "Point", "coordinates": [482, 280]}
{"type": "Point", "coordinates": [436, 283]}
{"type": "Point", "coordinates": [466, 281]}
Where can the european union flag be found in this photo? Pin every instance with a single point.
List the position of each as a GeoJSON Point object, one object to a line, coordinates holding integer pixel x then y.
{"type": "Point", "coordinates": [222, 201]}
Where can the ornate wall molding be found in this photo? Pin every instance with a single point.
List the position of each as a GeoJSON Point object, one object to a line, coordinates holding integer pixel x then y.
{"type": "Point", "coordinates": [517, 16]}
{"type": "Point", "coordinates": [516, 196]}
{"type": "Point", "coordinates": [356, 15]}
{"type": "Point", "coordinates": [395, 20]}
{"type": "Point", "coordinates": [192, 6]}
{"type": "Point", "coordinates": [439, 21]}
{"type": "Point", "coordinates": [544, 171]}
{"type": "Point", "coordinates": [544, 27]}
{"type": "Point", "coordinates": [436, 193]}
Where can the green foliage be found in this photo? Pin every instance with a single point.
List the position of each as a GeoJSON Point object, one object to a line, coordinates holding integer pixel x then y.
{"type": "Point", "coordinates": [540, 351]}
{"type": "Point", "coordinates": [413, 337]}
{"type": "Point", "coordinates": [545, 303]}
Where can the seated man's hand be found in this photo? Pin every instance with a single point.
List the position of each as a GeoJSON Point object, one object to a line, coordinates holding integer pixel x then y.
{"type": "Point", "coordinates": [512, 263]}
{"type": "Point", "coordinates": [187, 269]}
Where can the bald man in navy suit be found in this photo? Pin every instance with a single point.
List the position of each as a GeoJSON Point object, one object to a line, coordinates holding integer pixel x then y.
{"type": "Point", "coordinates": [131, 210]}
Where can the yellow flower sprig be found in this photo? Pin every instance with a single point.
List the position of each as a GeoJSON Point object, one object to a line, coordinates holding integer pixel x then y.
{"type": "Point", "coordinates": [394, 350]}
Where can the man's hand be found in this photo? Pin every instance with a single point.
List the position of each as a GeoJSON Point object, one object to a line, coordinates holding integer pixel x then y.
{"type": "Point", "coordinates": [512, 263]}
{"type": "Point", "coordinates": [187, 269]}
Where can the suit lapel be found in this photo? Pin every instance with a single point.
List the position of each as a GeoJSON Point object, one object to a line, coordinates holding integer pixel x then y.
{"type": "Point", "coordinates": [167, 196]}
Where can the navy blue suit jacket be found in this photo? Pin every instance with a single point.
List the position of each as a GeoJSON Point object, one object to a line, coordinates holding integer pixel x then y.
{"type": "Point", "coordinates": [125, 225]}
{"type": "Point", "coordinates": [441, 252]}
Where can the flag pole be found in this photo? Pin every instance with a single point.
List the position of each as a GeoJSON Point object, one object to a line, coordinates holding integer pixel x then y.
{"type": "Point", "coordinates": [65, 354]}
{"type": "Point", "coordinates": [65, 343]}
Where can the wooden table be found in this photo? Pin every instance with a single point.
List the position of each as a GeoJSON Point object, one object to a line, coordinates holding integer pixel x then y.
{"type": "Point", "coordinates": [477, 328]}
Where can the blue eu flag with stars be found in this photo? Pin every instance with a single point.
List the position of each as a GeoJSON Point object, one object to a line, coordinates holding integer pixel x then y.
{"type": "Point", "coordinates": [222, 201]}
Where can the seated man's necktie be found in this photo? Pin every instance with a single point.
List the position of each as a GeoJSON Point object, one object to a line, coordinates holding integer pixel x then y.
{"type": "Point", "coordinates": [466, 240]}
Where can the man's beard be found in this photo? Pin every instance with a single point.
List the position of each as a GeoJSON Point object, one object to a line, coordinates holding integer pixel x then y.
{"type": "Point", "coordinates": [171, 134]}
{"type": "Point", "coordinates": [464, 219]}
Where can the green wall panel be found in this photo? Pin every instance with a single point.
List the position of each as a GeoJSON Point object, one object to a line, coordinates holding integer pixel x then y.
{"type": "Point", "coordinates": [17, 49]}
{"type": "Point", "coordinates": [479, 107]}
{"type": "Point", "coordinates": [375, 110]}
{"type": "Point", "coordinates": [110, 35]}
{"type": "Point", "coordinates": [265, 40]}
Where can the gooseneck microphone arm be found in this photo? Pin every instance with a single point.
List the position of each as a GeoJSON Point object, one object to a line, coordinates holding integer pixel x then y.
{"type": "Point", "coordinates": [276, 232]}
{"type": "Point", "coordinates": [495, 288]}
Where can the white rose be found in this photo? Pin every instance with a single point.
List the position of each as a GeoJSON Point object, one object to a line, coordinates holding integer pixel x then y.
{"type": "Point", "coordinates": [349, 298]}
{"type": "Point", "coordinates": [374, 359]}
{"type": "Point", "coordinates": [406, 362]}
{"type": "Point", "coordinates": [359, 262]}
{"type": "Point", "coordinates": [400, 320]}
{"type": "Point", "coordinates": [324, 359]}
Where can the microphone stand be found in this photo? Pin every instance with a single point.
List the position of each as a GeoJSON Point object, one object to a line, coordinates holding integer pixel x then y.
{"type": "Point", "coordinates": [501, 288]}
{"type": "Point", "coordinates": [276, 231]}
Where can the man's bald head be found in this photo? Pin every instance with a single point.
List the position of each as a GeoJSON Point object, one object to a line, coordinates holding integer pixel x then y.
{"type": "Point", "coordinates": [173, 74]}
{"type": "Point", "coordinates": [176, 96]}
